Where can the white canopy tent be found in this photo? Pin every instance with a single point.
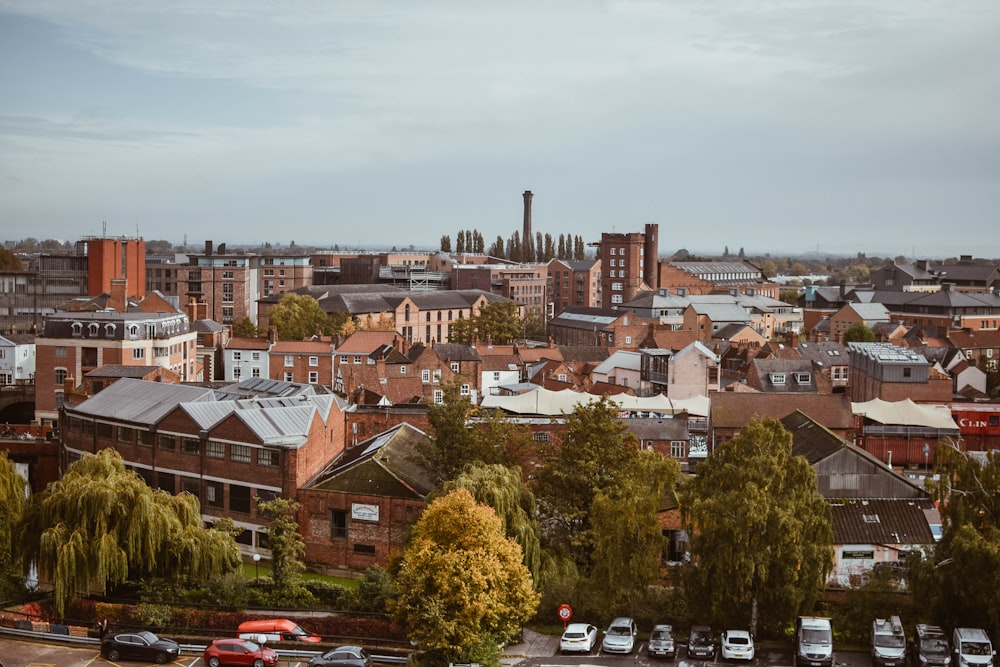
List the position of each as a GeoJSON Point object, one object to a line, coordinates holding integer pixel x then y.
{"type": "Point", "coordinates": [553, 403]}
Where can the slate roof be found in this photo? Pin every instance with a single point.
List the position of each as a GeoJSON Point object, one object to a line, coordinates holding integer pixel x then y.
{"type": "Point", "coordinates": [735, 410]}
{"type": "Point", "coordinates": [585, 318]}
{"type": "Point", "coordinates": [248, 344]}
{"type": "Point", "coordinates": [120, 371]}
{"type": "Point", "coordinates": [454, 352]}
{"type": "Point", "coordinates": [881, 520]}
{"type": "Point", "coordinates": [207, 326]}
{"type": "Point", "coordinates": [825, 353]}
{"type": "Point", "coordinates": [384, 466]}
{"type": "Point", "coordinates": [765, 369]}
{"type": "Point", "coordinates": [663, 428]}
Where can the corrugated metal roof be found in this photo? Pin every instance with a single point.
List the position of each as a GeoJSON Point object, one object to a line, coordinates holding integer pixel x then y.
{"type": "Point", "coordinates": [881, 521]}
{"type": "Point", "coordinates": [141, 402]}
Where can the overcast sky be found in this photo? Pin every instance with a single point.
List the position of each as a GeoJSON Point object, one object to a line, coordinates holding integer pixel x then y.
{"type": "Point", "coordinates": [774, 126]}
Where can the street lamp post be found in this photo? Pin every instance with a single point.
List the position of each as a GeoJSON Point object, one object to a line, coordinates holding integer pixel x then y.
{"type": "Point", "coordinates": [256, 567]}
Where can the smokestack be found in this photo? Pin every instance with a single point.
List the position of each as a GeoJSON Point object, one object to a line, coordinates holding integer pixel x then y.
{"type": "Point", "coordinates": [527, 240]}
{"type": "Point", "coordinates": [650, 255]}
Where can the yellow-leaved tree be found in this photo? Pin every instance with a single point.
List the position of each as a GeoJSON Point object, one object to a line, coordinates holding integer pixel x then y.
{"type": "Point", "coordinates": [461, 584]}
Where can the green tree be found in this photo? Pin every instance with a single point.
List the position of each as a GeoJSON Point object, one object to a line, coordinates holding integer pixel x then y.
{"type": "Point", "coordinates": [245, 328]}
{"type": "Point", "coordinates": [101, 525]}
{"type": "Point", "coordinates": [502, 488]}
{"type": "Point", "coordinates": [461, 585]}
{"type": "Point", "coordinates": [9, 261]}
{"type": "Point", "coordinates": [859, 333]}
{"type": "Point", "coordinates": [299, 316]}
{"type": "Point", "coordinates": [287, 548]}
{"type": "Point", "coordinates": [445, 243]}
{"type": "Point", "coordinates": [596, 455]}
{"type": "Point", "coordinates": [968, 493]}
{"type": "Point", "coordinates": [497, 322]}
{"type": "Point", "coordinates": [12, 499]}
{"type": "Point", "coordinates": [628, 541]}
{"type": "Point", "coordinates": [760, 530]}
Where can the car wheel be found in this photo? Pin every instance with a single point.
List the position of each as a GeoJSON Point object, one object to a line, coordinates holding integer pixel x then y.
{"type": "Point", "coordinates": [160, 657]}
{"type": "Point", "coordinates": [258, 663]}
{"type": "Point", "coordinates": [214, 661]}
{"type": "Point", "coordinates": [113, 654]}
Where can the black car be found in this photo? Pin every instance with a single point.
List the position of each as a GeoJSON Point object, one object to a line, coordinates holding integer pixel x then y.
{"type": "Point", "coordinates": [701, 643]}
{"type": "Point", "coordinates": [342, 656]}
{"type": "Point", "coordinates": [139, 646]}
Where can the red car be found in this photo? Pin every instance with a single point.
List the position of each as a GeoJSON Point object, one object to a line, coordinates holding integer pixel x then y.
{"type": "Point", "coordinates": [239, 652]}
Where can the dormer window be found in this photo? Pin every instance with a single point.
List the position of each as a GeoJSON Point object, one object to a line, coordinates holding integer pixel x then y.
{"type": "Point", "coordinates": [777, 378]}
{"type": "Point", "coordinates": [92, 328]}
{"type": "Point", "coordinates": [109, 330]}
{"type": "Point", "coordinates": [133, 330]}
{"type": "Point", "coordinates": [77, 328]}
{"type": "Point", "coordinates": [803, 378]}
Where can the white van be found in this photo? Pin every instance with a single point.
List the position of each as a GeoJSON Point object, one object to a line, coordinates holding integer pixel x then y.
{"type": "Point", "coordinates": [972, 648]}
{"type": "Point", "coordinates": [813, 642]}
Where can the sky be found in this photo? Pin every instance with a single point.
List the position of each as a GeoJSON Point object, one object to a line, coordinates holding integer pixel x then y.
{"type": "Point", "coordinates": [792, 126]}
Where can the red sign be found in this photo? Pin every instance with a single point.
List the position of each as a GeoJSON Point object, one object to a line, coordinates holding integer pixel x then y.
{"type": "Point", "coordinates": [565, 612]}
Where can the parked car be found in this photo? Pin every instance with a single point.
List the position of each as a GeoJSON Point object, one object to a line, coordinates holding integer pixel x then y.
{"type": "Point", "coordinates": [239, 652]}
{"type": "Point", "coordinates": [342, 656]}
{"type": "Point", "coordinates": [275, 630]}
{"type": "Point", "coordinates": [661, 642]}
{"type": "Point", "coordinates": [930, 647]}
{"type": "Point", "coordinates": [578, 637]}
{"type": "Point", "coordinates": [701, 643]}
{"type": "Point", "coordinates": [737, 645]}
{"type": "Point", "coordinates": [620, 636]}
{"type": "Point", "coordinates": [139, 646]}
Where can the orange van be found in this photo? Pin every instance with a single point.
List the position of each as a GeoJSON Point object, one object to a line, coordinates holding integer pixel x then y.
{"type": "Point", "coordinates": [275, 630]}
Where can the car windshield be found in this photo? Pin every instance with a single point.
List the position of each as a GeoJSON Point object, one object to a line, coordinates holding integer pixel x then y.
{"type": "Point", "coordinates": [975, 648]}
{"type": "Point", "coordinates": [816, 636]}
{"type": "Point", "coordinates": [700, 638]}
{"type": "Point", "coordinates": [934, 646]}
{"type": "Point", "coordinates": [620, 631]}
{"type": "Point", "coordinates": [890, 641]}
{"type": "Point", "coordinates": [660, 634]}
{"type": "Point", "coordinates": [251, 645]}
{"type": "Point", "coordinates": [299, 630]}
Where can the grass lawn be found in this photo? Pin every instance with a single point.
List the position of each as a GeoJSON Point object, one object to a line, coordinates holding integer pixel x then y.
{"type": "Point", "coordinates": [251, 570]}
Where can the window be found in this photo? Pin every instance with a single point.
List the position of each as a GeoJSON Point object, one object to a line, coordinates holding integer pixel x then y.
{"type": "Point", "coordinates": [103, 429]}
{"type": "Point", "coordinates": [214, 494]}
{"type": "Point", "coordinates": [267, 457]}
{"type": "Point", "coordinates": [215, 449]}
{"type": "Point", "coordinates": [255, 356]}
{"type": "Point", "coordinates": [166, 442]}
{"type": "Point", "coordinates": [628, 340]}
{"type": "Point", "coordinates": [464, 390]}
{"type": "Point", "coordinates": [540, 437]}
{"type": "Point", "coordinates": [313, 377]}
{"type": "Point", "coordinates": [357, 358]}
{"type": "Point", "coordinates": [191, 485]}
{"type": "Point", "coordinates": [496, 376]}
{"type": "Point", "coordinates": [239, 453]}
{"type": "Point", "coordinates": [237, 355]}
{"type": "Point", "coordinates": [227, 314]}
{"type": "Point", "coordinates": [289, 376]}
{"type": "Point", "coordinates": [314, 361]}
{"type": "Point", "coordinates": [907, 371]}
{"type": "Point", "coordinates": [425, 375]}
{"type": "Point", "coordinates": [138, 353]}
{"type": "Point", "coordinates": [454, 367]}
{"type": "Point", "coordinates": [338, 524]}
{"type": "Point", "coordinates": [367, 549]}
{"type": "Point", "coordinates": [436, 375]}
{"type": "Point", "coordinates": [239, 498]}
{"type": "Point", "coordinates": [612, 252]}
{"type": "Point", "coordinates": [124, 434]}
{"type": "Point", "coordinates": [402, 369]}
{"type": "Point", "coordinates": [255, 371]}
{"type": "Point", "coordinates": [60, 351]}
{"type": "Point", "coordinates": [145, 438]}
{"type": "Point", "coordinates": [289, 360]}
{"type": "Point", "coordinates": [60, 376]}
{"type": "Point", "coordinates": [227, 275]}
{"type": "Point", "coordinates": [237, 373]}
{"type": "Point", "coordinates": [616, 298]}
{"type": "Point", "coordinates": [227, 293]}
{"type": "Point", "coordinates": [438, 397]}
{"type": "Point", "coordinates": [678, 449]}
{"type": "Point", "coordinates": [616, 286]}
{"type": "Point", "coordinates": [191, 445]}
{"type": "Point", "coordinates": [777, 378]}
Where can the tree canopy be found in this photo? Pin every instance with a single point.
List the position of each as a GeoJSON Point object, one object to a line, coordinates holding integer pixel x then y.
{"type": "Point", "coordinates": [287, 549]}
{"type": "Point", "coordinates": [461, 585]}
{"type": "Point", "coordinates": [497, 322]}
{"type": "Point", "coordinates": [12, 499]}
{"type": "Point", "coordinates": [859, 332]}
{"type": "Point", "coordinates": [9, 261]}
{"type": "Point", "coordinates": [245, 328]}
{"type": "Point", "coordinates": [760, 532]}
{"type": "Point", "coordinates": [101, 525]}
{"type": "Point", "coordinates": [299, 316]}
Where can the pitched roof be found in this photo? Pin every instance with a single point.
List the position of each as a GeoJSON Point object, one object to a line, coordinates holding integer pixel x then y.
{"type": "Point", "coordinates": [365, 342]}
{"type": "Point", "coordinates": [881, 520]}
{"type": "Point", "coordinates": [735, 410]}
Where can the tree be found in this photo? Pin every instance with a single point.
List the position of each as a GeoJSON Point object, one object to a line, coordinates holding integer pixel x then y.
{"type": "Point", "coordinates": [760, 530]}
{"type": "Point", "coordinates": [859, 333]}
{"type": "Point", "coordinates": [286, 546]}
{"type": "Point", "coordinates": [445, 243]}
{"type": "Point", "coordinates": [628, 541]}
{"type": "Point", "coordinates": [245, 328]}
{"type": "Point", "coordinates": [968, 493]}
{"type": "Point", "coordinates": [502, 488]}
{"type": "Point", "coordinates": [497, 322]}
{"type": "Point", "coordinates": [101, 525]}
{"type": "Point", "coordinates": [461, 586]}
{"type": "Point", "coordinates": [460, 242]}
{"type": "Point", "coordinates": [299, 316]}
{"type": "Point", "coordinates": [595, 455]}
{"type": "Point", "coordinates": [12, 499]}
{"type": "Point", "coordinates": [497, 249]}
{"type": "Point", "coordinates": [450, 447]}
{"type": "Point", "coordinates": [9, 261]}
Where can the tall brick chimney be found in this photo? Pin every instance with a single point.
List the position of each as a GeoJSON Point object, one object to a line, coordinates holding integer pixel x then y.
{"type": "Point", "coordinates": [117, 302]}
{"type": "Point", "coordinates": [527, 241]}
{"type": "Point", "coordinates": [650, 256]}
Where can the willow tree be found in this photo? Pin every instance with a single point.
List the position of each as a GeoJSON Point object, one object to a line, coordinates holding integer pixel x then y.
{"type": "Point", "coordinates": [13, 500]}
{"type": "Point", "coordinates": [761, 533]}
{"type": "Point", "coordinates": [461, 586]}
{"type": "Point", "coordinates": [101, 525]}
{"type": "Point", "coordinates": [502, 489]}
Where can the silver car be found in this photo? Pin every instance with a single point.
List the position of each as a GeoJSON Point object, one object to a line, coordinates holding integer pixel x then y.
{"type": "Point", "coordinates": [620, 636]}
{"type": "Point", "coordinates": [661, 642]}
